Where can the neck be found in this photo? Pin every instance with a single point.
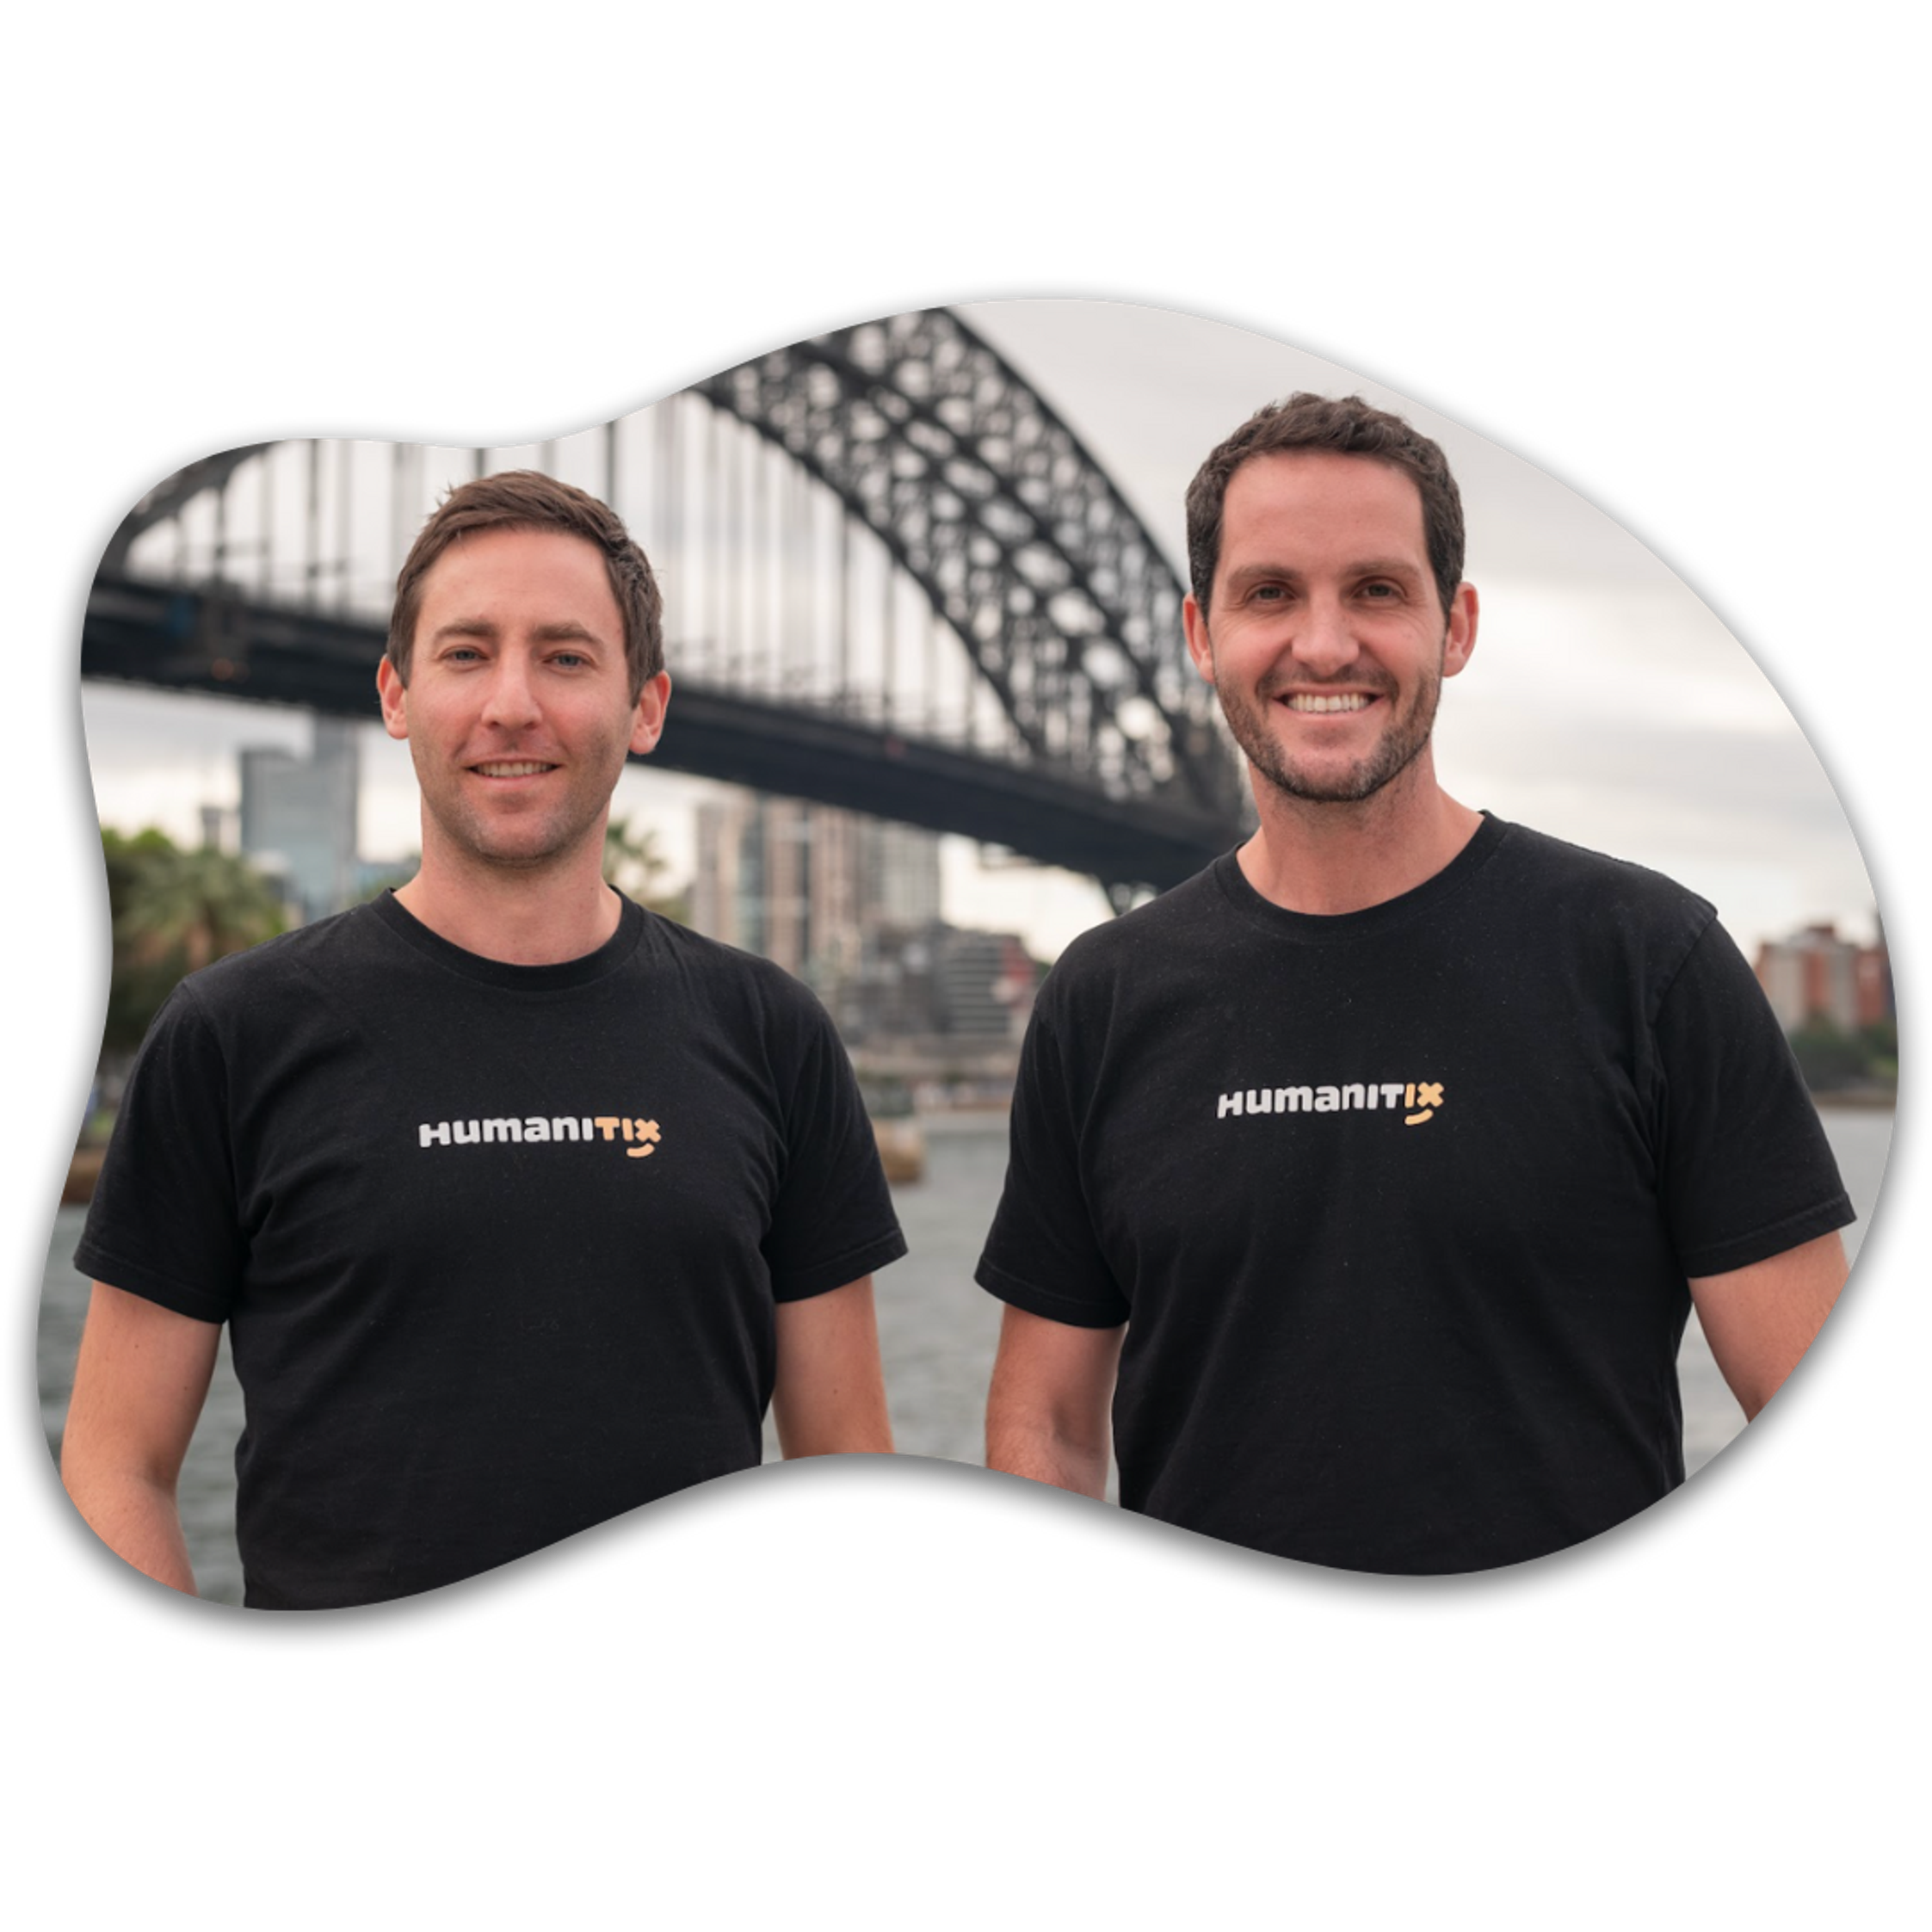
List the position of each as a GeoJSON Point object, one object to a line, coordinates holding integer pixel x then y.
{"type": "Point", "coordinates": [1312, 856]}
{"type": "Point", "coordinates": [542, 916]}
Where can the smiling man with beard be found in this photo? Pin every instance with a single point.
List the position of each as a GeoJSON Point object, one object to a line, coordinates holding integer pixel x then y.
{"type": "Point", "coordinates": [1362, 1187]}
{"type": "Point", "coordinates": [520, 1201]}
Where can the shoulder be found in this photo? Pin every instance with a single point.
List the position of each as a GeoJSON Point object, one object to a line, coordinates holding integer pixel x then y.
{"type": "Point", "coordinates": [242, 982]}
{"type": "Point", "coordinates": [716, 964]}
{"type": "Point", "coordinates": [1595, 887]}
{"type": "Point", "coordinates": [1605, 921]}
{"type": "Point", "coordinates": [321, 943]}
{"type": "Point", "coordinates": [1173, 922]}
{"type": "Point", "coordinates": [739, 987]}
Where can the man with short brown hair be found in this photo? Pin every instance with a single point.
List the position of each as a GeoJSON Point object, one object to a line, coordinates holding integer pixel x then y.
{"type": "Point", "coordinates": [1364, 1183]}
{"type": "Point", "coordinates": [520, 1202]}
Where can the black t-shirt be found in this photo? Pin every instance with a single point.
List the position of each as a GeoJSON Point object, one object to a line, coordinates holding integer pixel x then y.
{"type": "Point", "coordinates": [1400, 1206]}
{"type": "Point", "coordinates": [498, 1246]}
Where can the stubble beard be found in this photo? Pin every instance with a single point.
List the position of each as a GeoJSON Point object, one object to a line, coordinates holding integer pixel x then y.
{"type": "Point", "coordinates": [1404, 741]}
{"type": "Point", "coordinates": [481, 844]}
{"type": "Point", "coordinates": [523, 845]}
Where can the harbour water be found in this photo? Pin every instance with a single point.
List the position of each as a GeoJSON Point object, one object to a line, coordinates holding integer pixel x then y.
{"type": "Point", "coordinates": [936, 1330]}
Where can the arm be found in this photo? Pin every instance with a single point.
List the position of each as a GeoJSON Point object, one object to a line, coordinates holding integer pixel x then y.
{"type": "Point", "coordinates": [1760, 1320]}
{"type": "Point", "coordinates": [139, 1386]}
{"type": "Point", "coordinates": [829, 1396]}
{"type": "Point", "coordinates": [1048, 1411]}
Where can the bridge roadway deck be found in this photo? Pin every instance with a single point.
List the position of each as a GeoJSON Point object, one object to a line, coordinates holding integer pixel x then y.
{"type": "Point", "coordinates": [230, 646]}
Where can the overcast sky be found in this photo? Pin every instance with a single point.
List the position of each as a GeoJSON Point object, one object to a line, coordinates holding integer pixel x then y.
{"type": "Point", "coordinates": [1605, 704]}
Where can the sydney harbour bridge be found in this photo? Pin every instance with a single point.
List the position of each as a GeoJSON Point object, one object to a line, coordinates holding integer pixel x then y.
{"type": "Point", "coordinates": [894, 581]}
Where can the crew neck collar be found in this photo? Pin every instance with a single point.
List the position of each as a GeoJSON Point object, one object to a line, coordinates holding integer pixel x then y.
{"type": "Point", "coordinates": [558, 977]}
{"type": "Point", "coordinates": [1334, 927]}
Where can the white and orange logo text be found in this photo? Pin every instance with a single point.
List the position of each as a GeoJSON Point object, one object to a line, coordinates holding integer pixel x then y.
{"type": "Point", "coordinates": [1416, 1099]}
{"type": "Point", "coordinates": [639, 1138]}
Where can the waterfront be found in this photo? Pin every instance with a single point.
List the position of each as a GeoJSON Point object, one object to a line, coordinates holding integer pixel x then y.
{"type": "Point", "coordinates": [936, 1330]}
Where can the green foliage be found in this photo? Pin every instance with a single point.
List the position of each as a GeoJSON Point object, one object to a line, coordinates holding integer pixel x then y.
{"type": "Point", "coordinates": [1829, 1057]}
{"type": "Point", "coordinates": [172, 912]}
{"type": "Point", "coordinates": [1877, 1041]}
{"type": "Point", "coordinates": [633, 865]}
{"type": "Point", "coordinates": [1880, 1039]}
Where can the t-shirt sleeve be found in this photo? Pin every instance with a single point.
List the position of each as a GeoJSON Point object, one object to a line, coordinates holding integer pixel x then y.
{"type": "Point", "coordinates": [1747, 1172]}
{"type": "Point", "coordinates": [162, 1223]}
{"type": "Point", "coordinates": [832, 1220]}
{"type": "Point", "coordinates": [1042, 1254]}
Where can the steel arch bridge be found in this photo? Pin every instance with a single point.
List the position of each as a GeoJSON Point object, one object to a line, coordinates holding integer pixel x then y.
{"type": "Point", "coordinates": [895, 581]}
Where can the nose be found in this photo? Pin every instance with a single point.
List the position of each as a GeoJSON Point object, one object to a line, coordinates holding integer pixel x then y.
{"type": "Point", "coordinates": [511, 702]}
{"type": "Point", "coordinates": [1324, 643]}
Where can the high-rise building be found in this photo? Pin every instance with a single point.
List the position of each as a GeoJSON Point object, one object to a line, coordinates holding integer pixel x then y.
{"type": "Point", "coordinates": [298, 817]}
{"type": "Point", "coordinates": [831, 896]}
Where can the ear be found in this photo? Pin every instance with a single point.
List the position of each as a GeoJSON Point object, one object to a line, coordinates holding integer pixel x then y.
{"type": "Point", "coordinates": [1201, 646]}
{"type": "Point", "coordinates": [1459, 641]}
{"type": "Point", "coordinates": [648, 726]}
{"type": "Point", "coordinates": [395, 706]}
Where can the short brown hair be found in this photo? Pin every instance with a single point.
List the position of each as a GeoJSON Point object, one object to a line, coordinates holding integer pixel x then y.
{"type": "Point", "coordinates": [528, 500]}
{"type": "Point", "coordinates": [1351, 426]}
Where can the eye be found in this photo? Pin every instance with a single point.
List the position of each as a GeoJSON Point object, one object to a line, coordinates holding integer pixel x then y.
{"type": "Point", "coordinates": [1380, 590]}
{"type": "Point", "coordinates": [1269, 592]}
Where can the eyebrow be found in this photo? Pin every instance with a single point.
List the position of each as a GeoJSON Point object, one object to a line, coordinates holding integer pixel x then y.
{"type": "Point", "coordinates": [563, 631]}
{"type": "Point", "coordinates": [1371, 566]}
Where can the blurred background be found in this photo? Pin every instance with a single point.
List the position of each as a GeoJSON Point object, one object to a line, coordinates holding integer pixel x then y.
{"type": "Point", "coordinates": [931, 718]}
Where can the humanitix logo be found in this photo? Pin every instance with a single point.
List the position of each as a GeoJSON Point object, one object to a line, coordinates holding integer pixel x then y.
{"type": "Point", "coordinates": [1420, 1097]}
{"type": "Point", "coordinates": [639, 1139]}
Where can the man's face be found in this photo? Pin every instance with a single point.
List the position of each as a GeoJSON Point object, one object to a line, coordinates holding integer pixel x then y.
{"type": "Point", "coordinates": [517, 710]}
{"type": "Point", "coordinates": [1326, 639]}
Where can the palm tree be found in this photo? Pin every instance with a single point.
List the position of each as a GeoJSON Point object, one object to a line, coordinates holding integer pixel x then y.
{"type": "Point", "coordinates": [173, 912]}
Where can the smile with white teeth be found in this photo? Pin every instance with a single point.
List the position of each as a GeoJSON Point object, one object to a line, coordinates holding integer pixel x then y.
{"type": "Point", "coordinates": [1319, 702]}
{"type": "Point", "coordinates": [522, 767]}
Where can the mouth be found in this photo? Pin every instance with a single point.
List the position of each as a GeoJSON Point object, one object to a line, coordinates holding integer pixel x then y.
{"type": "Point", "coordinates": [512, 768]}
{"type": "Point", "coordinates": [1320, 704]}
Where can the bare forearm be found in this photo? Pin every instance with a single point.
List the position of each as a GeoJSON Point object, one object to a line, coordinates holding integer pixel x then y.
{"type": "Point", "coordinates": [1023, 1446]}
{"type": "Point", "coordinates": [1049, 1411]}
{"type": "Point", "coordinates": [1760, 1320]}
{"type": "Point", "coordinates": [829, 1396]}
{"type": "Point", "coordinates": [137, 1517]}
{"type": "Point", "coordinates": [139, 1382]}
{"type": "Point", "coordinates": [845, 1421]}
